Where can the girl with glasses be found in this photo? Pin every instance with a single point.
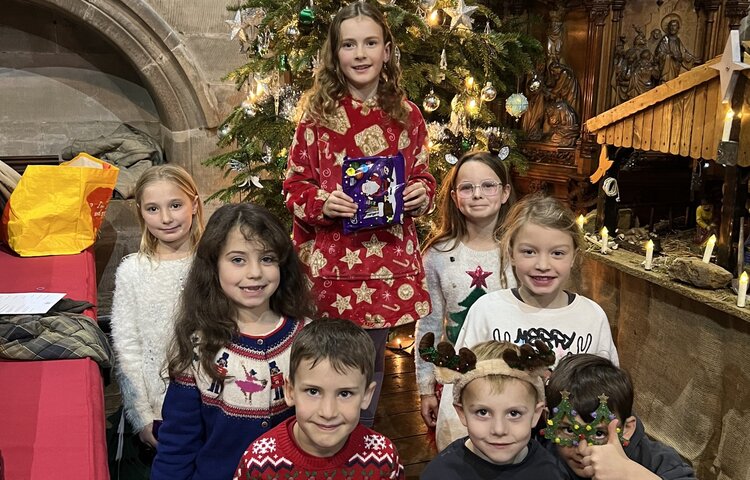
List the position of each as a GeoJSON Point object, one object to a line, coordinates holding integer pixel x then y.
{"type": "Point", "coordinates": [462, 257]}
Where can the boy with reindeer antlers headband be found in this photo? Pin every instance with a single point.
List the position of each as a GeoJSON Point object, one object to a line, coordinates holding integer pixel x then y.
{"type": "Point", "coordinates": [592, 428]}
{"type": "Point", "coordinates": [498, 393]}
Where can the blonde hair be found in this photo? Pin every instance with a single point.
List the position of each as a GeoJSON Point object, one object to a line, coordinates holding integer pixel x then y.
{"type": "Point", "coordinates": [543, 211]}
{"type": "Point", "coordinates": [180, 178]}
{"type": "Point", "coordinates": [330, 84]}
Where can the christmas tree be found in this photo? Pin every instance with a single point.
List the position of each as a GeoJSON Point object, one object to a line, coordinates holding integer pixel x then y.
{"type": "Point", "coordinates": [478, 281]}
{"type": "Point", "coordinates": [459, 61]}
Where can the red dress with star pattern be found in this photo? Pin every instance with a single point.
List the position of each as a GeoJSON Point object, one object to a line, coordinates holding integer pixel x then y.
{"type": "Point", "coordinates": [372, 277]}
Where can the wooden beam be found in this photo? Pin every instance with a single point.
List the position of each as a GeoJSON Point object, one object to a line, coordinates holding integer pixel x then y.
{"type": "Point", "coordinates": [685, 81]}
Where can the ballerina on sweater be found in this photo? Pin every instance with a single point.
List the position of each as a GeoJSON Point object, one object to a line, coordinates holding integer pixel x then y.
{"type": "Point", "coordinates": [462, 258]}
{"type": "Point", "coordinates": [542, 240]}
{"type": "Point", "coordinates": [147, 289]}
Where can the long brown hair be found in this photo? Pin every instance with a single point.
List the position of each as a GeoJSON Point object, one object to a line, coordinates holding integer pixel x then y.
{"type": "Point", "coordinates": [182, 179]}
{"type": "Point", "coordinates": [205, 309]}
{"type": "Point", "coordinates": [330, 84]}
{"type": "Point", "coordinates": [451, 222]}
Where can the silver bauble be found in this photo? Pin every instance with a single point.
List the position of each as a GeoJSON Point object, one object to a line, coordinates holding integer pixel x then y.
{"type": "Point", "coordinates": [489, 92]}
{"type": "Point", "coordinates": [431, 102]}
{"type": "Point", "coordinates": [224, 130]}
{"type": "Point", "coordinates": [535, 84]}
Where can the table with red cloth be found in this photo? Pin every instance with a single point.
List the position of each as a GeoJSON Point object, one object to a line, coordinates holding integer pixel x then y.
{"type": "Point", "coordinates": [52, 421]}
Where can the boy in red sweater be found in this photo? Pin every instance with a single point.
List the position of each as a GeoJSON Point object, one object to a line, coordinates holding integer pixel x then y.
{"type": "Point", "coordinates": [330, 381]}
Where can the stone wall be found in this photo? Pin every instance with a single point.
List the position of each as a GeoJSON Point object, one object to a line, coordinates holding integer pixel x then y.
{"type": "Point", "coordinates": [75, 69]}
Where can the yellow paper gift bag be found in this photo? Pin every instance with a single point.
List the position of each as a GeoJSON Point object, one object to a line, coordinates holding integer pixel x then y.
{"type": "Point", "coordinates": [58, 209]}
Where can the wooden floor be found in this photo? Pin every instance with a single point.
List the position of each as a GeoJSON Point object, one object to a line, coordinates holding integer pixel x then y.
{"type": "Point", "coordinates": [397, 416]}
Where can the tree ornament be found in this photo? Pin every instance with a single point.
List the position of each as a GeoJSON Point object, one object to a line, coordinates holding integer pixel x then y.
{"type": "Point", "coordinates": [487, 29]}
{"type": "Point", "coordinates": [249, 108]}
{"type": "Point", "coordinates": [516, 105]}
{"type": "Point", "coordinates": [535, 84]}
{"type": "Point", "coordinates": [292, 32]}
{"type": "Point", "coordinates": [267, 154]}
{"type": "Point", "coordinates": [488, 92]}
{"type": "Point", "coordinates": [431, 102]}
{"type": "Point", "coordinates": [397, 55]}
{"type": "Point", "coordinates": [386, 2]}
{"type": "Point", "coordinates": [504, 152]}
{"type": "Point", "coordinates": [236, 165]}
{"type": "Point", "coordinates": [451, 159]}
{"type": "Point", "coordinates": [306, 18]}
{"type": "Point", "coordinates": [461, 15]}
{"type": "Point", "coordinates": [224, 130]}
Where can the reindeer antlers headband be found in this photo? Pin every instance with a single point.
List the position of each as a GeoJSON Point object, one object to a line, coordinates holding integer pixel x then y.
{"type": "Point", "coordinates": [461, 369]}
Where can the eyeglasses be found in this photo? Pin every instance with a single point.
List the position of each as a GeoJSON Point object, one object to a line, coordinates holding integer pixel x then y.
{"type": "Point", "coordinates": [488, 188]}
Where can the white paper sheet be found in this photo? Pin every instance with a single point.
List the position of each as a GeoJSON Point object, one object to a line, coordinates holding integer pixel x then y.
{"type": "Point", "coordinates": [32, 302]}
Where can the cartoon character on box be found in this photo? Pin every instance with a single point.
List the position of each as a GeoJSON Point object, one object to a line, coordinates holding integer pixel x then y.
{"type": "Point", "coordinates": [376, 185]}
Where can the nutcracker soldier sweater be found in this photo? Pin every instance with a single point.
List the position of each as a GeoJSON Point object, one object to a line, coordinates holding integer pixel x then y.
{"type": "Point", "coordinates": [208, 424]}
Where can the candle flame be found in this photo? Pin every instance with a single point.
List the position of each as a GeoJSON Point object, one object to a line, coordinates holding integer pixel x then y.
{"type": "Point", "coordinates": [650, 244]}
{"type": "Point", "coordinates": [743, 277]}
{"type": "Point", "coordinates": [469, 82]}
{"type": "Point", "coordinates": [604, 231]}
{"type": "Point", "coordinates": [712, 240]}
{"type": "Point", "coordinates": [730, 113]}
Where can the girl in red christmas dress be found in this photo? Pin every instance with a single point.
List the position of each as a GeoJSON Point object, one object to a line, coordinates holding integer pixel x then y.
{"type": "Point", "coordinates": [356, 108]}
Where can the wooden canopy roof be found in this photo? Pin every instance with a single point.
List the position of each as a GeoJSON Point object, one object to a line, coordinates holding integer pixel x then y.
{"type": "Point", "coordinates": [684, 116]}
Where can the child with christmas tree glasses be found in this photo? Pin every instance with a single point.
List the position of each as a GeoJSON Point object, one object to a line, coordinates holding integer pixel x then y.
{"type": "Point", "coordinates": [498, 394]}
{"type": "Point", "coordinates": [330, 380]}
{"type": "Point", "coordinates": [462, 256]}
{"type": "Point", "coordinates": [592, 428]}
{"type": "Point", "coordinates": [356, 108]}
{"type": "Point", "coordinates": [542, 240]}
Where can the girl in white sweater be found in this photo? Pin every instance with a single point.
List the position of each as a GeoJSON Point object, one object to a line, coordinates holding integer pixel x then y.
{"type": "Point", "coordinates": [147, 290]}
{"type": "Point", "coordinates": [543, 242]}
{"type": "Point", "coordinates": [462, 258]}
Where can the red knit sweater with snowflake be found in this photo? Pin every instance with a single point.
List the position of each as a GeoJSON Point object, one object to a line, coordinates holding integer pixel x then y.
{"type": "Point", "coordinates": [366, 455]}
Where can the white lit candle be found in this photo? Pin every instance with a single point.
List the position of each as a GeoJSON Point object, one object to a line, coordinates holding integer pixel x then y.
{"type": "Point", "coordinates": [742, 293]}
{"type": "Point", "coordinates": [581, 221]}
{"type": "Point", "coordinates": [709, 249]}
{"type": "Point", "coordinates": [649, 254]}
{"type": "Point", "coordinates": [727, 125]}
{"type": "Point", "coordinates": [605, 239]}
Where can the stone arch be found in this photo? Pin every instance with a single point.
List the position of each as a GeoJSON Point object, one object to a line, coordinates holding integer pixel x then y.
{"type": "Point", "coordinates": [156, 52]}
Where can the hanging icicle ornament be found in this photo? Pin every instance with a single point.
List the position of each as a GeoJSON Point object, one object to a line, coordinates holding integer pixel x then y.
{"type": "Point", "coordinates": [397, 55]}
{"type": "Point", "coordinates": [516, 105]}
{"type": "Point", "coordinates": [267, 154]}
{"type": "Point", "coordinates": [488, 92]}
{"type": "Point", "coordinates": [443, 65]}
{"type": "Point", "coordinates": [431, 102]}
